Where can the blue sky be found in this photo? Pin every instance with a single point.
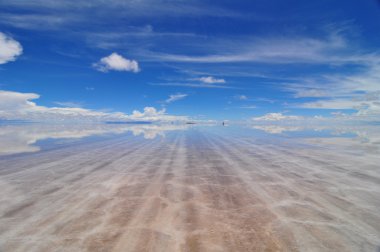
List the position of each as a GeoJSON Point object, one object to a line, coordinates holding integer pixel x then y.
{"type": "Point", "coordinates": [201, 59]}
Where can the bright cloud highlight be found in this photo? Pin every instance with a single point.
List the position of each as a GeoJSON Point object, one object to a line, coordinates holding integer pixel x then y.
{"type": "Point", "coordinates": [20, 106]}
{"type": "Point", "coordinates": [116, 62]}
{"type": "Point", "coordinates": [211, 80]}
{"type": "Point", "coordinates": [10, 49]}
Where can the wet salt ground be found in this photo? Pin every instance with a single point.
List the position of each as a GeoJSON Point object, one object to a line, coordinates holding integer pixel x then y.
{"type": "Point", "coordinates": [182, 188]}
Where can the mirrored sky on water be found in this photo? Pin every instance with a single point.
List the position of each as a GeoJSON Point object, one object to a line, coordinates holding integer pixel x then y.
{"type": "Point", "coordinates": [87, 178]}
{"type": "Point", "coordinates": [27, 138]}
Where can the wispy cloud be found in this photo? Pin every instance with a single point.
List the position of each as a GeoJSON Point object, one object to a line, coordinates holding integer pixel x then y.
{"type": "Point", "coordinates": [10, 49]}
{"type": "Point", "coordinates": [37, 20]}
{"type": "Point", "coordinates": [175, 97]}
{"type": "Point", "coordinates": [241, 97]}
{"type": "Point", "coordinates": [55, 15]}
{"type": "Point", "coordinates": [356, 91]}
{"type": "Point", "coordinates": [363, 104]}
{"type": "Point", "coordinates": [116, 62]}
{"type": "Point", "coordinates": [248, 107]}
{"type": "Point", "coordinates": [332, 49]}
{"type": "Point", "coordinates": [69, 104]}
{"type": "Point", "coordinates": [211, 80]}
{"type": "Point", "coordinates": [191, 85]}
{"type": "Point", "coordinates": [192, 80]}
{"type": "Point", "coordinates": [137, 38]}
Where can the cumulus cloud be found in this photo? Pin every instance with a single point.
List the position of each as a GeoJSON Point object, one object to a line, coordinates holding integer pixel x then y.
{"type": "Point", "coordinates": [20, 106]}
{"type": "Point", "coordinates": [116, 62]}
{"type": "Point", "coordinates": [211, 80]}
{"type": "Point", "coordinates": [153, 115]}
{"type": "Point", "coordinates": [175, 97]}
{"type": "Point", "coordinates": [276, 117]}
{"type": "Point", "coordinates": [10, 49]}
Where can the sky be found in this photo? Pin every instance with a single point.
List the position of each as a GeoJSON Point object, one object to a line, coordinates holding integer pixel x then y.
{"type": "Point", "coordinates": [189, 60]}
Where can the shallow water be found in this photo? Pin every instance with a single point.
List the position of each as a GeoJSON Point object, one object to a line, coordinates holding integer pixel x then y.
{"type": "Point", "coordinates": [189, 188]}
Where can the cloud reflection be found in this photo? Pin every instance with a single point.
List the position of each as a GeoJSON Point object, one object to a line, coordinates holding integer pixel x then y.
{"type": "Point", "coordinates": [22, 138]}
{"type": "Point", "coordinates": [276, 129]}
{"type": "Point", "coordinates": [359, 137]}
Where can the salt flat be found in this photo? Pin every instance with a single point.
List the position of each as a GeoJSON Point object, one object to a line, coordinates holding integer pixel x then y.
{"type": "Point", "coordinates": [187, 188]}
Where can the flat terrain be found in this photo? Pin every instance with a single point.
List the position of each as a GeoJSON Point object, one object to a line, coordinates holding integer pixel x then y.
{"type": "Point", "coordinates": [192, 190]}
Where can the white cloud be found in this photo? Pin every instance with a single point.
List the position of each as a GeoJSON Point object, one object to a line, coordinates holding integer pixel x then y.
{"type": "Point", "coordinates": [175, 97]}
{"type": "Point", "coordinates": [153, 115]}
{"type": "Point", "coordinates": [116, 62]}
{"type": "Point", "coordinates": [276, 117]}
{"type": "Point", "coordinates": [19, 106]}
{"type": "Point", "coordinates": [241, 97]}
{"type": "Point", "coordinates": [211, 80]}
{"type": "Point", "coordinates": [10, 49]}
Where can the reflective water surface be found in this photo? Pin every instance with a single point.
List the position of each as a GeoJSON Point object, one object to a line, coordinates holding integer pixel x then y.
{"type": "Point", "coordinates": [25, 138]}
{"type": "Point", "coordinates": [22, 138]}
{"type": "Point", "coordinates": [179, 187]}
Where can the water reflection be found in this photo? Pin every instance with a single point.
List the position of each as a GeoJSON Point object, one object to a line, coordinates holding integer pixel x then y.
{"type": "Point", "coordinates": [152, 131]}
{"type": "Point", "coordinates": [276, 129]}
{"type": "Point", "coordinates": [26, 138]}
{"type": "Point", "coordinates": [355, 137]}
{"type": "Point", "coordinates": [23, 138]}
